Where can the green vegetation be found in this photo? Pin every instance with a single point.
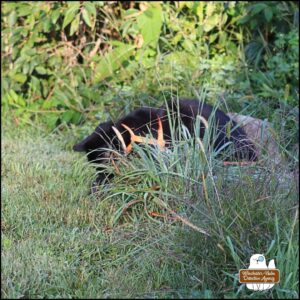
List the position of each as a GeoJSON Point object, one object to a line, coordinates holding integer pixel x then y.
{"type": "Point", "coordinates": [64, 61]}
{"type": "Point", "coordinates": [180, 225]}
{"type": "Point", "coordinates": [126, 241]}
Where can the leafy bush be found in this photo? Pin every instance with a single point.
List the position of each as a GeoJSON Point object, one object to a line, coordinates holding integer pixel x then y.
{"type": "Point", "coordinates": [64, 62]}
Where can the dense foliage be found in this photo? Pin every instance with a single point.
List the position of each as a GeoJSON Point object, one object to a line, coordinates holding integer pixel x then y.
{"type": "Point", "coordinates": [64, 61]}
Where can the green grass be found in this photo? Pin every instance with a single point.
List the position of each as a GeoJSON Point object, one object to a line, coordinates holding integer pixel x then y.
{"type": "Point", "coordinates": [60, 242]}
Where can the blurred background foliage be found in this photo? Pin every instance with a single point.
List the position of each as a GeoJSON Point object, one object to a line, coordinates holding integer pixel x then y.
{"type": "Point", "coordinates": [65, 62]}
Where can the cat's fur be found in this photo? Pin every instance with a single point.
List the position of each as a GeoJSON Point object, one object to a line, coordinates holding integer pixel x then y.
{"type": "Point", "coordinates": [144, 119]}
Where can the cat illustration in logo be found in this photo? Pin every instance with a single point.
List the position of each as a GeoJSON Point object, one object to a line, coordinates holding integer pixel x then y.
{"type": "Point", "coordinates": [258, 261]}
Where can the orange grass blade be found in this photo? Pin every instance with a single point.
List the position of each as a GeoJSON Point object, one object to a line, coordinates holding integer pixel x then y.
{"type": "Point", "coordinates": [143, 140]}
{"type": "Point", "coordinates": [126, 149]}
{"type": "Point", "coordinates": [160, 135]}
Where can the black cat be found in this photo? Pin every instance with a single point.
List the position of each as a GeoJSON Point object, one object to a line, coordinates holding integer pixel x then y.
{"type": "Point", "coordinates": [146, 119]}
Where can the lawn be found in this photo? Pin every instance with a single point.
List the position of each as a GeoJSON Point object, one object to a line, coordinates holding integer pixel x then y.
{"type": "Point", "coordinates": [158, 230]}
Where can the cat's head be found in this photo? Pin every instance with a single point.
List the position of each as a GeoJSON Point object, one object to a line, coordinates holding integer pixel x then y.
{"type": "Point", "coordinates": [96, 145]}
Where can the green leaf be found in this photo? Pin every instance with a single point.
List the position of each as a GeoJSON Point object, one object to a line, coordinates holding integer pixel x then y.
{"type": "Point", "coordinates": [210, 8]}
{"type": "Point", "coordinates": [12, 18]}
{"type": "Point", "coordinates": [24, 10]}
{"type": "Point", "coordinates": [200, 11]}
{"type": "Point", "coordinates": [75, 25]}
{"type": "Point", "coordinates": [67, 116]}
{"type": "Point", "coordinates": [55, 15]}
{"type": "Point", "coordinates": [76, 117]}
{"type": "Point", "coordinates": [253, 23]}
{"type": "Point", "coordinates": [41, 70]}
{"type": "Point", "coordinates": [47, 23]}
{"type": "Point", "coordinates": [211, 22]}
{"type": "Point", "coordinates": [213, 37]}
{"type": "Point", "coordinates": [35, 83]}
{"type": "Point", "coordinates": [50, 119]}
{"type": "Point", "coordinates": [188, 45]}
{"type": "Point", "coordinates": [70, 14]}
{"type": "Point", "coordinates": [90, 7]}
{"type": "Point", "coordinates": [130, 11]}
{"type": "Point", "coordinates": [224, 19]}
{"type": "Point", "coordinates": [112, 61]}
{"type": "Point", "coordinates": [243, 20]}
{"type": "Point", "coordinates": [32, 65]}
{"type": "Point", "coordinates": [15, 98]}
{"type": "Point", "coordinates": [25, 68]}
{"type": "Point", "coordinates": [257, 8]}
{"type": "Point", "coordinates": [20, 77]}
{"type": "Point", "coordinates": [86, 17]}
{"type": "Point", "coordinates": [268, 14]}
{"type": "Point", "coordinates": [149, 24]}
{"type": "Point", "coordinates": [53, 102]}
{"type": "Point", "coordinates": [175, 40]}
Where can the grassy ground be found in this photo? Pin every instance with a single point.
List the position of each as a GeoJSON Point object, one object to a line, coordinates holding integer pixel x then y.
{"type": "Point", "coordinates": [128, 241]}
